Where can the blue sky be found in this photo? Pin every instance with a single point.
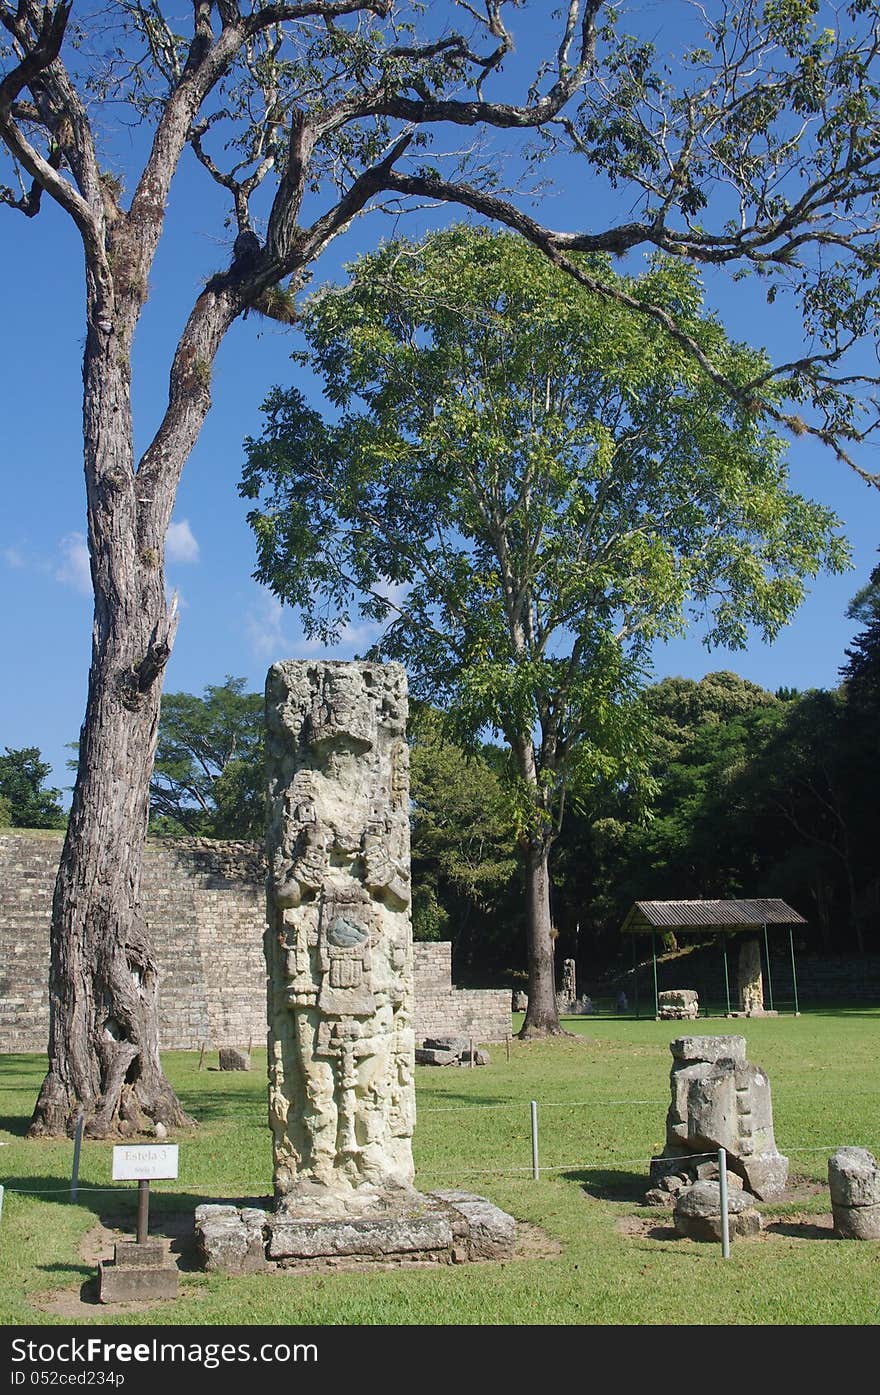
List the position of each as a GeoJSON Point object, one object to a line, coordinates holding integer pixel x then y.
{"type": "Point", "coordinates": [229, 625]}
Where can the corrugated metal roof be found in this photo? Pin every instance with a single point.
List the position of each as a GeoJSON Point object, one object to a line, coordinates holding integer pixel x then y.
{"type": "Point", "coordinates": [709, 915]}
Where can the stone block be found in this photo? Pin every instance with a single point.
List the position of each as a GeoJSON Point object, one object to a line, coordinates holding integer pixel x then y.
{"type": "Point", "coordinates": [856, 1222]}
{"type": "Point", "coordinates": [230, 1240]}
{"type": "Point", "coordinates": [765, 1175]}
{"type": "Point", "coordinates": [151, 1254]}
{"type": "Point", "coordinates": [710, 1049]}
{"type": "Point", "coordinates": [697, 1213]}
{"type": "Point", "coordinates": [491, 1232]}
{"type": "Point", "coordinates": [373, 1238]}
{"type": "Point", "coordinates": [678, 1004]}
{"type": "Point", "coordinates": [454, 1044]}
{"type": "Point", "coordinates": [426, 1056]}
{"type": "Point", "coordinates": [233, 1059]}
{"type": "Point", "coordinates": [124, 1284]}
{"type": "Point", "coordinates": [854, 1178]}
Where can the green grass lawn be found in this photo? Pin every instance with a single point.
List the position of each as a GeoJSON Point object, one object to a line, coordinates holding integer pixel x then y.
{"type": "Point", "coordinates": [602, 1097]}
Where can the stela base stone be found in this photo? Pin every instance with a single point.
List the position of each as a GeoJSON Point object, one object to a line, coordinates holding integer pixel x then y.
{"type": "Point", "coordinates": [444, 1227]}
{"type": "Point", "coordinates": [137, 1272]}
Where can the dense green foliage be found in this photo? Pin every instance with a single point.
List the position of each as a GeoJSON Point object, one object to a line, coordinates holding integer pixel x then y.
{"type": "Point", "coordinates": [24, 800]}
{"type": "Point", "coordinates": [525, 486]}
{"type": "Point", "coordinates": [467, 884]}
{"type": "Point", "coordinates": [602, 1098]}
{"type": "Point", "coordinates": [208, 777]}
{"type": "Point", "coordinates": [774, 796]}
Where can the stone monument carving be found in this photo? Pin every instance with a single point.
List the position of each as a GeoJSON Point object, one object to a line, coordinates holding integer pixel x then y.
{"type": "Point", "coordinates": [719, 1100]}
{"type": "Point", "coordinates": [339, 959]}
{"type": "Point", "coordinates": [569, 981]}
{"type": "Point", "coordinates": [339, 942]}
{"type": "Point", "coordinates": [750, 980]}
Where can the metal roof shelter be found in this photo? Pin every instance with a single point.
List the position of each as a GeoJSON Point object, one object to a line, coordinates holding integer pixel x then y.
{"type": "Point", "coordinates": [724, 918]}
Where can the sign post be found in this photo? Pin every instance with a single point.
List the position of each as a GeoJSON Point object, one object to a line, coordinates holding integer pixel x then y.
{"type": "Point", "coordinates": [141, 1162]}
{"type": "Point", "coordinates": [139, 1270]}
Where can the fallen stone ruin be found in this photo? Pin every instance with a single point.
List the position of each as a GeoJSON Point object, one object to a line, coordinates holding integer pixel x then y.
{"type": "Point", "coordinates": [450, 1051]}
{"type": "Point", "coordinates": [678, 1004]}
{"type": "Point", "coordinates": [719, 1100]}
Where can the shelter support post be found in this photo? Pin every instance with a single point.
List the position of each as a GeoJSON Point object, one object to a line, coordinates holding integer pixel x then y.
{"type": "Point", "coordinates": [654, 959]}
{"type": "Point", "coordinates": [769, 977]}
{"type": "Point", "coordinates": [636, 975]}
{"type": "Point", "coordinates": [726, 974]}
{"type": "Point", "coordinates": [797, 1012]}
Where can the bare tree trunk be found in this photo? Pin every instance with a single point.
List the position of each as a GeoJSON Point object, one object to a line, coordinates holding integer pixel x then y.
{"type": "Point", "coordinates": [103, 1042]}
{"type": "Point", "coordinates": [542, 1016]}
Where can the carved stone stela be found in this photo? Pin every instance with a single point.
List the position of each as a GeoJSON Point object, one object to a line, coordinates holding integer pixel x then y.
{"type": "Point", "coordinates": [339, 938]}
{"type": "Point", "coordinates": [340, 995]}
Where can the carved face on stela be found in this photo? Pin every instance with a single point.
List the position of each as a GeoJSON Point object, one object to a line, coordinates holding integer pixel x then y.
{"type": "Point", "coordinates": [344, 715]}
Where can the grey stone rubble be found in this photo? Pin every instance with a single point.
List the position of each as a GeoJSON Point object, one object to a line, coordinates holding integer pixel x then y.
{"type": "Point", "coordinates": [339, 958]}
{"type": "Point", "coordinates": [576, 1007]}
{"type": "Point", "coordinates": [854, 1182]}
{"type": "Point", "coordinates": [450, 1051]}
{"type": "Point", "coordinates": [678, 1004]}
{"type": "Point", "coordinates": [233, 1059]}
{"type": "Point", "coordinates": [720, 1100]}
{"type": "Point", "coordinates": [443, 1227]}
{"type": "Point", "coordinates": [672, 1184]}
{"type": "Point", "coordinates": [697, 1212]}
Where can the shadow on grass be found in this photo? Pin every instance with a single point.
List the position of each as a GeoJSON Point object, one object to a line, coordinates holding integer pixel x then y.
{"type": "Point", "coordinates": [607, 1185]}
{"type": "Point", "coordinates": [15, 1124]}
{"type": "Point", "coordinates": [799, 1230]}
{"type": "Point", "coordinates": [116, 1207]}
{"type": "Point", "coordinates": [85, 1271]}
{"type": "Point", "coordinates": [468, 1102]}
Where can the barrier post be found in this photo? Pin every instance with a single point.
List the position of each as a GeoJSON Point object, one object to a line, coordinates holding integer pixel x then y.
{"type": "Point", "coordinates": [534, 1113]}
{"type": "Point", "coordinates": [77, 1147]}
{"type": "Point", "coordinates": [722, 1187]}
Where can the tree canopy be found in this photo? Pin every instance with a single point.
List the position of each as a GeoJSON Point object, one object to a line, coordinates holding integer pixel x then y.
{"type": "Point", "coordinates": [24, 801]}
{"type": "Point", "coordinates": [208, 777]}
{"type": "Point", "coordinates": [527, 486]}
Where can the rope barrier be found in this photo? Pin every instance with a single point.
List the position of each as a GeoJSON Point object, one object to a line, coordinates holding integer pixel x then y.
{"type": "Point", "coordinates": [580, 1165]}
{"type": "Point", "coordinates": [551, 1104]}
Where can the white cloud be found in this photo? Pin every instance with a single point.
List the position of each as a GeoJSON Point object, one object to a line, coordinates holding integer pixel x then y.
{"type": "Point", "coordinates": [180, 543]}
{"type": "Point", "coordinates": [265, 630]}
{"type": "Point", "coordinates": [73, 569]}
{"type": "Point", "coordinates": [14, 557]}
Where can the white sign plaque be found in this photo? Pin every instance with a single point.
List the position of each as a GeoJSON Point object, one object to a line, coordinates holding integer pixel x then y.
{"type": "Point", "coordinates": [139, 1162]}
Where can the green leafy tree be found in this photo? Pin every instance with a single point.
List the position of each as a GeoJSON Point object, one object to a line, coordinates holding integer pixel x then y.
{"type": "Point", "coordinates": [27, 804]}
{"type": "Point", "coordinates": [208, 776]}
{"type": "Point", "coordinates": [861, 672]}
{"type": "Point", "coordinates": [676, 836]}
{"type": "Point", "coordinates": [547, 483]}
{"type": "Point", "coordinates": [464, 867]}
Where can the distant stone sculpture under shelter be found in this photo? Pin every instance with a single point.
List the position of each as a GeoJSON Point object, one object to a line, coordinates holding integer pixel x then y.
{"type": "Point", "coordinates": [748, 920]}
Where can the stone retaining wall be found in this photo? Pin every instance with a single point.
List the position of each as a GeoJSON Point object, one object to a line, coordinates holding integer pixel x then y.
{"type": "Point", "coordinates": [206, 908]}
{"type": "Point", "coordinates": [443, 1010]}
